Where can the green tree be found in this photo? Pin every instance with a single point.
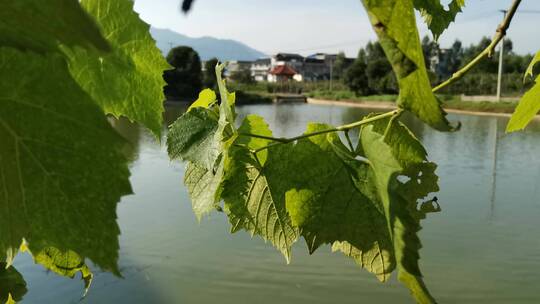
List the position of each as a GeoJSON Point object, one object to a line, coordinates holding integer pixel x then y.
{"type": "Point", "coordinates": [381, 80]}
{"type": "Point", "coordinates": [355, 76]}
{"type": "Point", "coordinates": [242, 76]}
{"type": "Point", "coordinates": [209, 75]}
{"type": "Point", "coordinates": [340, 65]}
{"type": "Point", "coordinates": [429, 48]}
{"type": "Point", "coordinates": [185, 80]}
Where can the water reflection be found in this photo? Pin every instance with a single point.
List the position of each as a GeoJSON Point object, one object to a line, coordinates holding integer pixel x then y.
{"type": "Point", "coordinates": [470, 253]}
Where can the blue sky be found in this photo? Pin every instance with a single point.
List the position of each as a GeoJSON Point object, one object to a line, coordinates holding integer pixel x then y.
{"type": "Point", "coordinates": [308, 26]}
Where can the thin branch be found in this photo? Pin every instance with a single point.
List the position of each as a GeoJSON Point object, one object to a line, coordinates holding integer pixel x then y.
{"type": "Point", "coordinates": [279, 139]}
{"type": "Point", "coordinates": [345, 128]}
{"type": "Point", "coordinates": [499, 35]}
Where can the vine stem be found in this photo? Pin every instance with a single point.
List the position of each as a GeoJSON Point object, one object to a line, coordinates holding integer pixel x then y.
{"type": "Point", "coordinates": [499, 35]}
{"type": "Point", "coordinates": [344, 128]}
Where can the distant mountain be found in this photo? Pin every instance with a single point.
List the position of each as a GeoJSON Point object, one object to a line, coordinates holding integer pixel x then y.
{"type": "Point", "coordinates": [207, 47]}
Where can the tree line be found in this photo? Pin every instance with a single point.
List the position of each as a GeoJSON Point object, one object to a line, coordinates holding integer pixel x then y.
{"type": "Point", "coordinates": [371, 73]}
{"type": "Point", "coordinates": [188, 78]}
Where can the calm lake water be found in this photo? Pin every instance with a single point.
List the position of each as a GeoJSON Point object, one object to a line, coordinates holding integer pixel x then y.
{"type": "Point", "coordinates": [484, 247]}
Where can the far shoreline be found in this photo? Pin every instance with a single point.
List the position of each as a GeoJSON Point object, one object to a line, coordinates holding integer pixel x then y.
{"type": "Point", "coordinates": [390, 106]}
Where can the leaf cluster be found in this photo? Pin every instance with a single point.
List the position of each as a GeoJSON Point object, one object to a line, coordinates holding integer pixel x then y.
{"type": "Point", "coordinates": [316, 187]}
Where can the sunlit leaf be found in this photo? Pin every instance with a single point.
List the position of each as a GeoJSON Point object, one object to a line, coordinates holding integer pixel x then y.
{"type": "Point", "coordinates": [42, 25]}
{"type": "Point", "coordinates": [395, 25]}
{"type": "Point", "coordinates": [402, 223]}
{"type": "Point", "coordinates": [128, 81]}
{"type": "Point", "coordinates": [204, 188]}
{"type": "Point", "coordinates": [530, 68]}
{"type": "Point", "coordinates": [329, 209]}
{"type": "Point", "coordinates": [254, 189]}
{"type": "Point", "coordinates": [192, 137]}
{"type": "Point", "coordinates": [206, 98]}
{"type": "Point", "coordinates": [65, 263]}
{"type": "Point", "coordinates": [436, 16]}
{"type": "Point", "coordinates": [62, 171]}
{"type": "Point", "coordinates": [202, 136]}
{"type": "Point", "coordinates": [529, 104]}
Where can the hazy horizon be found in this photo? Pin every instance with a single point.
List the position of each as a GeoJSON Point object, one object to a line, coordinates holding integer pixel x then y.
{"type": "Point", "coordinates": [309, 26]}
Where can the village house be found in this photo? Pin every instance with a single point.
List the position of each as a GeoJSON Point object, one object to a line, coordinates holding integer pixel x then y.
{"type": "Point", "coordinates": [237, 66]}
{"type": "Point", "coordinates": [287, 66]}
{"type": "Point", "coordinates": [260, 68]}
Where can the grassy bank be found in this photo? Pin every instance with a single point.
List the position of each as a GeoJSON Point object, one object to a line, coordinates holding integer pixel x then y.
{"type": "Point", "coordinates": [448, 101]}
{"type": "Point", "coordinates": [259, 93]}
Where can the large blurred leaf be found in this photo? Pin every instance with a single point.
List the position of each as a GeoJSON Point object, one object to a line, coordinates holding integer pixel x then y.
{"type": "Point", "coordinates": [62, 171]}
{"type": "Point", "coordinates": [529, 105]}
{"type": "Point", "coordinates": [41, 26]}
{"type": "Point", "coordinates": [395, 25]}
{"type": "Point", "coordinates": [436, 17]}
{"type": "Point", "coordinates": [128, 81]}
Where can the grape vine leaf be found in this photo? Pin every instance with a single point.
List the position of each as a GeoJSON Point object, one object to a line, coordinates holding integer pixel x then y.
{"type": "Point", "coordinates": [62, 170]}
{"type": "Point", "coordinates": [395, 25]}
{"type": "Point", "coordinates": [128, 81]}
{"type": "Point", "coordinates": [254, 187]}
{"type": "Point", "coordinates": [41, 26]}
{"type": "Point", "coordinates": [204, 188]}
{"type": "Point", "coordinates": [206, 98]}
{"type": "Point", "coordinates": [529, 105]}
{"type": "Point", "coordinates": [328, 208]}
{"type": "Point", "coordinates": [202, 136]}
{"type": "Point", "coordinates": [192, 137]}
{"type": "Point", "coordinates": [436, 16]}
{"type": "Point", "coordinates": [12, 284]}
{"type": "Point", "coordinates": [65, 263]}
{"type": "Point", "coordinates": [387, 161]}
{"type": "Point", "coordinates": [530, 69]}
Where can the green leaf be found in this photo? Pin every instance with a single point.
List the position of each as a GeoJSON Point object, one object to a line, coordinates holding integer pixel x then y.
{"type": "Point", "coordinates": [227, 99]}
{"type": "Point", "coordinates": [328, 208]}
{"type": "Point", "coordinates": [529, 105]}
{"type": "Point", "coordinates": [62, 170]}
{"type": "Point", "coordinates": [526, 110]}
{"type": "Point", "coordinates": [206, 98]}
{"type": "Point", "coordinates": [204, 188]}
{"type": "Point", "coordinates": [41, 26]}
{"type": "Point", "coordinates": [254, 187]}
{"type": "Point", "coordinates": [192, 137]}
{"type": "Point", "coordinates": [387, 163]}
{"type": "Point", "coordinates": [12, 284]}
{"type": "Point", "coordinates": [65, 263]}
{"type": "Point", "coordinates": [202, 136]}
{"type": "Point", "coordinates": [436, 16]}
{"type": "Point", "coordinates": [530, 69]}
{"type": "Point", "coordinates": [127, 82]}
{"type": "Point", "coordinates": [395, 25]}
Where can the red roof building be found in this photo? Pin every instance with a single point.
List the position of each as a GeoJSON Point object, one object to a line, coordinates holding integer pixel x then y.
{"type": "Point", "coordinates": [281, 73]}
{"type": "Point", "coordinates": [283, 70]}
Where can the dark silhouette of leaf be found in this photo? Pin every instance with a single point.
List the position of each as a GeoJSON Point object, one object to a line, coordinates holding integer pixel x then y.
{"type": "Point", "coordinates": [42, 25]}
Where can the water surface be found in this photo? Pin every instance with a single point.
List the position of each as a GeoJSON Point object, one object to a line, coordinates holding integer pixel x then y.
{"type": "Point", "coordinates": [484, 247]}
